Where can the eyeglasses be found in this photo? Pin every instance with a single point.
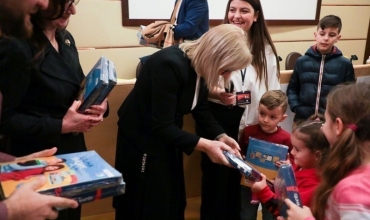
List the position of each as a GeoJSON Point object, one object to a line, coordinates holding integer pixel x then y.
{"type": "Point", "coordinates": [74, 2]}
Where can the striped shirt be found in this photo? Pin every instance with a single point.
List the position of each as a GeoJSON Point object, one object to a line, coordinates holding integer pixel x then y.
{"type": "Point", "coordinates": [350, 198]}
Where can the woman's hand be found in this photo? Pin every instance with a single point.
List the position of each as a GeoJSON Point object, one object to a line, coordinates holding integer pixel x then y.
{"type": "Point", "coordinates": [258, 186]}
{"type": "Point", "coordinates": [76, 122]}
{"type": "Point", "coordinates": [231, 143]}
{"type": "Point", "coordinates": [98, 110]}
{"type": "Point", "coordinates": [295, 212]}
{"type": "Point", "coordinates": [227, 98]}
{"type": "Point", "coordinates": [214, 149]}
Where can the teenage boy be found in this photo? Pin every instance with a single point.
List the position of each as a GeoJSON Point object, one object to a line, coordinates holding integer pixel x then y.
{"type": "Point", "coordinates": [271, 111]}
{"type": "Point", "coordinates": [318, 71]}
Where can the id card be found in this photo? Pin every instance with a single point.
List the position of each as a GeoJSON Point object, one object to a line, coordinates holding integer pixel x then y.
{"type": "Point", "coordinates": [243, 98]}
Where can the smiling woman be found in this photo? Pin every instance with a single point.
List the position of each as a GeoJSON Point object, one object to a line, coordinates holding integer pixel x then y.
{"type": "Point", "coordinates": [285, 12]}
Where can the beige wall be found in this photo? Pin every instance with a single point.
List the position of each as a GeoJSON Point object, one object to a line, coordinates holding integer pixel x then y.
{"type": "Point", "coordinates": [101, 31]}
{"type": "Point", "coordinates": [98, 31]}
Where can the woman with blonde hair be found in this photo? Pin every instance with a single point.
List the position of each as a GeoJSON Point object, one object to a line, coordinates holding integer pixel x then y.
{"type": "Point", "coordinates": [221, 185]}
{"type": "Point", "coordinates": [150, 144]}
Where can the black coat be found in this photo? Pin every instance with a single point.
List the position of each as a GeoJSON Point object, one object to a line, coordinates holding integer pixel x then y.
{"type": "Point", "coordinates": [302, 87]}
{"type": "Point", "coordinates": [37, 94]}
{"type": "Point", "coordinates": [150, 140]}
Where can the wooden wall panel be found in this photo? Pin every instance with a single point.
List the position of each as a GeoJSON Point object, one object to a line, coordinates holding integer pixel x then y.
{"type": "Point", "coordinates": [351, 25]}
{"type": "Point", "coordinates": [348, 47]}
{"type": "Point", "coordinates": [125, 59]}
{"type": "Point", "coordinates": [97, 23]}
{"type": "Point", "coordinates": [345, 2]}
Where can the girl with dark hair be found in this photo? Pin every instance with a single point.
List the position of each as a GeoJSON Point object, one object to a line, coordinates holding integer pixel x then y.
{"type": "Point", "coordinates": [309, 149]}
{"type": "Point", "coordinates": [221, 185]}
{"type": "Point", "coordinates": [344, 190]}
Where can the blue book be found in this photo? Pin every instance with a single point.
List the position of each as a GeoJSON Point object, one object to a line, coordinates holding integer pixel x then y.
{"type": "Point", "coordinates": [247, 170]}
{"type": "Point", "coordinates": [95, 83]}
{"type": "Point", "coordinates": [66, 174]}
{"type": "Point", "coordinates": [112, 81]}
{"type": "Point", "coordinates": [286, 187]}
{"type": "Point", "coordinates": [262, 155]}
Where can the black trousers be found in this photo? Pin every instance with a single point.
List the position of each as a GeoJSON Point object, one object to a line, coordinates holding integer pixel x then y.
{"type": "Point", "coordinates": [220, 184]}
{"type": "Point", "coordinates": [155, 187]}
{"type": "Point", "coordinates": [70, 214]}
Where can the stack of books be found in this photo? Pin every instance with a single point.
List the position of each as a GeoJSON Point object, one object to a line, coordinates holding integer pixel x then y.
{"type": "Point", "coordinates": [83, 176]}
{"type": "Point", "coordinates": [98, 83]}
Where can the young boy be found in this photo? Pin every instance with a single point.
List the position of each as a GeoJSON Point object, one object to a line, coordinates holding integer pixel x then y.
{"type": "Point", "coordinates": [318, 71]}
{"type": "Point", "coordinates": [271, 112]}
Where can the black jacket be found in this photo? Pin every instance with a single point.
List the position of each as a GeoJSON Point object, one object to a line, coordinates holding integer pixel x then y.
{"type": "Point", "coordinates": [37, 94]}
{"type": "Point", "coordinates": [152, 113]}
{"type": "Point", "coordinates": [303, 85]}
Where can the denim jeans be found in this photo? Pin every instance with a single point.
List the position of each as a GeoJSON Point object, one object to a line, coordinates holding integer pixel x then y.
{"type": "Point", "coordinates": [248, 210]}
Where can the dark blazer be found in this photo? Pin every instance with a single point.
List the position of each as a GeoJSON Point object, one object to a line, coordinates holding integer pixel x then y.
{"type": "Point", "coordinates": [150, 142]}
{"type": "Point", "coordinates": [152, 113]}
{"type": "Point", "coordinates": [192, 19]}
{"type": "Point", "coordinates": [37, 94]}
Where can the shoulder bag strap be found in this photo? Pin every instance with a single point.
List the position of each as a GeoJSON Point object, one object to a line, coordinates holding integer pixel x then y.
{"type": "Point", "coordinates": [175, 12]}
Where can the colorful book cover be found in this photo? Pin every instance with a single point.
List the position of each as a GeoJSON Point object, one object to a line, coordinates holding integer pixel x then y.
{"type": "Point", "coordinates": [262, 155]}
{"type": "Point", "coordinates": [95, 83]}
{"type": "Point", "coordinates": [112, 81]}
{"type": "Point", "coordinates": [286, 187]}
{"type": "Point", "coordinates": [66, 174]}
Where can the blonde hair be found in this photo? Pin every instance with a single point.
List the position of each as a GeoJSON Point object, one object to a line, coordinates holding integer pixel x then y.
{"type": "Point", "coordinates": [222, 48]}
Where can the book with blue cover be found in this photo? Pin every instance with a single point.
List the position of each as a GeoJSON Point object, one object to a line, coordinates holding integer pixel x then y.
{"type": "Point", "coordinates": [248, 171]}
{"type": "Point", "coordinates": [285, 186]}
{"type": "Point", "coordinates": [95, 83]}
{"type": "Point", "coordinates": [112, 81]}
{"type": "Point", "coordinates": [263, 155]}
{"type": "Point", "coordinates": [67, 175]}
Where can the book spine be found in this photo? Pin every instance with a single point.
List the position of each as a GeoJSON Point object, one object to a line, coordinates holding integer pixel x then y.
{"type": "Point", "coordinates": [89, 101]}
{"type": "Point", "coordinates": [81, 186]}
{"type": "Point", "coordinates": [98, 194]}
{"type": "Point", "coordinates": [104, 94]}
{"type": "Point", "coordinates": [95, 195]}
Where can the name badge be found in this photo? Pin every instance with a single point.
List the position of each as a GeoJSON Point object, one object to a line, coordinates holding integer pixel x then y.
{"type": "Point", "coordinates": [243, 98]}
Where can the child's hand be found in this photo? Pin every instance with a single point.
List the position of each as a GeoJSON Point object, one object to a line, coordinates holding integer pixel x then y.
{"type": "Point", "coordinates": [280, 162]}
{"type": "Point", "coordinates": [258, 186]}
{"type": "Point", "coordinates": [297, 213]}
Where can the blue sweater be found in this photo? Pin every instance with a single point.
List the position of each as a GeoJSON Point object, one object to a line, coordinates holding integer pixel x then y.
{"type": "Point", "coordinates": [192, 19]}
